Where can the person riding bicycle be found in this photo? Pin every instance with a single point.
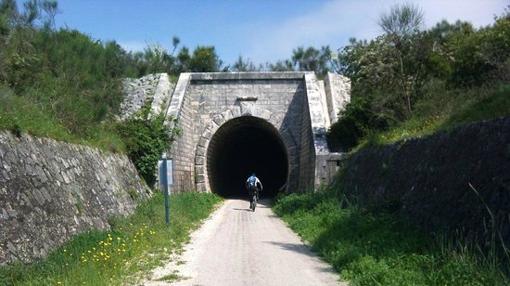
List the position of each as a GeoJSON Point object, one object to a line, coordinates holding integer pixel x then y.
{"type": "Point", "coordinates": [253, 184]}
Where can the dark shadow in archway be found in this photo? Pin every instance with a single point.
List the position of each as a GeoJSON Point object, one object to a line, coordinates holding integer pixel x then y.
{"type": "Point", "coordinates": [244, 145]}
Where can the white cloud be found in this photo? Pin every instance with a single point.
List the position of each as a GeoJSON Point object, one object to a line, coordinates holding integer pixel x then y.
{"type": "Point", "coordinates": [334, 22]}
{"type": "Point", "coordinates": [316, 28]}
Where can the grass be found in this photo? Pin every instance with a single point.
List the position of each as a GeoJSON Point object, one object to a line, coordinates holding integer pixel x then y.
{"type": "Point", "coordinates": [125, 254]}
{"type": "Point", "coordinates": [173, 277]}
{"type": "Point", "coordinates": [379, 248]}
{"type": "Point", "coordinates": [445, 109]}
{"type": "Point", "coordinates": [22, 115]}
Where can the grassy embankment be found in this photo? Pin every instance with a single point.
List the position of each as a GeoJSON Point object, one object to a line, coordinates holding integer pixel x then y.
{"type": "Point", "coordinates": [369, 248]}
{"type": "Point", "coordinates": [133, 247]}
{"type": "Point", "coordinates": [23, 115]}
{"type": "Point", "coordinates": [445, 109]}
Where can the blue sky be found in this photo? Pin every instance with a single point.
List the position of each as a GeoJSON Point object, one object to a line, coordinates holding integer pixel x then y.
{"type": "Point", "coordinates": [262, 30]}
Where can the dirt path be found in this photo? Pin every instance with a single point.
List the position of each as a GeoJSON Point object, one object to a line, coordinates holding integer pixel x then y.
{"type": "Point", "coordinates": [238, 247]}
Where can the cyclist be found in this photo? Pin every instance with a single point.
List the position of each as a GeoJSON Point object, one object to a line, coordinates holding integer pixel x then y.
{"type": "Point", "coordinates": [253, 184]}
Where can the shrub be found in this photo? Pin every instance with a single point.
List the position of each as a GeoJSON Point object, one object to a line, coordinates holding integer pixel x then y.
{"type": "Point", "coordinates": [146, 140]}
{"type": "Point", "coordinates": [355, 122]}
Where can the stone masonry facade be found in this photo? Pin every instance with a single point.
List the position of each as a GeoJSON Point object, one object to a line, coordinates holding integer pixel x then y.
{"type": "Point", "coordinates": [297, 104]}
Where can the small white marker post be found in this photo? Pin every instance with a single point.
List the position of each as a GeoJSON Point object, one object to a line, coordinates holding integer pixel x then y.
{"type": "Point", "coordinates": [165, 182]}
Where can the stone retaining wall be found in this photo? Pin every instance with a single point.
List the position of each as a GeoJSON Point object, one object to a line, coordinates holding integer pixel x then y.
{"type": "Point", "coordinates": [153, 89]}
{"type": "Point", "coordinates": [50, 191]}
{"type": "Point", "coordinates": [428, 179]}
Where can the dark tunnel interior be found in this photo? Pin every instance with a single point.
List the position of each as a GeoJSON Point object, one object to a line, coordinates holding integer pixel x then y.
{"type": "Point", "coordinates": [242, 146]}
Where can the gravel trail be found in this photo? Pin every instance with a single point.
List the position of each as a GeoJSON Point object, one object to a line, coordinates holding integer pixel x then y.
{"type": "Point", "coordinates": [238, 247]}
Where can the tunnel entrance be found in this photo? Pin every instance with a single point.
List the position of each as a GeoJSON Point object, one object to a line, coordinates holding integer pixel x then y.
{"type": "Point", "coordinates": [242, 146]}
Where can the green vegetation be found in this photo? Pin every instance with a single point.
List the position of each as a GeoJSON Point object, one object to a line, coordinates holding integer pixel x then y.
{"type": "Point", "coordinates": [47, 88]}
{"type": "Point", "coordinates": [410, 82]}
{"type": "Point", "coordinates": [65, 85]}
{"type": "Point", "coordinates": [448, 110]}
{"type": "Point", "coordinates": [378, 248]}
{"type": "Point", "coordinates": [134, 246]}
{"type": "Point", "coordinates": [320, 61]}
{"type": "Point", "coordinates": [146, 140]}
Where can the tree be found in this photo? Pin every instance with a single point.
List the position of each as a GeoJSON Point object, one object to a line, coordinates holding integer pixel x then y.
{"type": "Point", "coordinates": [9, 15]}
{"type": "Point", "coordinates": [41, 11]}
{"type": "Point", "coordinates": [285, 65]}
{"type": "Point", "coordinates": [402, 21]}
{"type": "Point", "coordinates": [372, 68]}
{"type": "Point", "coordinates": [31, 11]}
{"type": "Point", "coordinates": [183, 61]}
{"type": "Point", "coordinates": [312, 59]}
{"type": "Point", "coordinates": [440, 45]}
{"type": "Point", "coordinates": [205, 59]}
{"type": "Point", "coordinates": [154, 59]}
{"type": "Point", "coordinates": [244, 65]}
{"type": "Point", "coordinates": [400, 25]}
{"type": "Point", "coordinates": [175, 43]}
{"type": "Point", "coordinates": [50, 7]}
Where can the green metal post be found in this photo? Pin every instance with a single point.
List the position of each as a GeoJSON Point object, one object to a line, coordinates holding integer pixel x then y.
{"type": "Point", "coordinates": [167, 201]}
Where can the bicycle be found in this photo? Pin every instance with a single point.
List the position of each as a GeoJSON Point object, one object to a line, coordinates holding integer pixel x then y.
{"type": "Point", "coordinates": [253, 201]}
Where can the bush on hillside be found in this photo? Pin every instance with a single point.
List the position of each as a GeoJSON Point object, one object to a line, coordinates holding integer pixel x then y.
{"type": "Point", "coordinates": [355, 122]}
{"type": "Point", "coordinates": [442, 69]}
{"type": "Point", "coordinates": [146, 140]}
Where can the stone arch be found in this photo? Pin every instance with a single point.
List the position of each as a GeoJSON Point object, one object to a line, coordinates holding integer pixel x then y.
{"type": "Point", "coordinates": [202, 182]}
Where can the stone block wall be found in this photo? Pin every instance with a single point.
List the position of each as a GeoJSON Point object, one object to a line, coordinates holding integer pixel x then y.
{"type": "Point", "coordinates": [307, 152]}
{"type": "Point", "coordinates": [211, 99]}
{"type": "Point", "coordinates": [50, 191]}
{"type": "Point", "coordinates": [338, 94]}
{"type": "Point", "coordinates": [184, 147]}
{"type": "Point", "coordinates": [153, 89]}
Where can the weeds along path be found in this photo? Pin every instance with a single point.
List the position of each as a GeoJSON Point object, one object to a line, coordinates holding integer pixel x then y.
{"type": "Point", "coordinates": [238, 247]}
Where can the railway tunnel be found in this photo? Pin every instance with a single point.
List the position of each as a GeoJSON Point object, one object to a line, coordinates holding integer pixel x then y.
{"type": "Point", "coordinates": [270, 123]}
{"type": "Point", "coordinates": [242, 146]}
